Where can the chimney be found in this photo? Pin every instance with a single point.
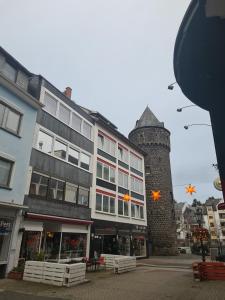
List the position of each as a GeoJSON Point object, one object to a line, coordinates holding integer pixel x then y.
{"type": "Point", "coordinates": [68, 92]}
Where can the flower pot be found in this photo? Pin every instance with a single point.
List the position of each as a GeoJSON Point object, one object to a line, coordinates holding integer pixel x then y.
{"type": "Point", "coordinates": [15, 275]}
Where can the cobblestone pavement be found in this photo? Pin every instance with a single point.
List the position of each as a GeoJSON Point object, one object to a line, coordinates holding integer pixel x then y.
{"type": "Point", "coordinates": [145, 283]}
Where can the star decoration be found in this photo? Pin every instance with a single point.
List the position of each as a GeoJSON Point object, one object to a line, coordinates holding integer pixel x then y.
{"type": "Point", "coordinates": [155, 195]}
{"type": "Point", "coordinates": [190, 189]}
{"type": "Point", "coordinates": [126, 197]}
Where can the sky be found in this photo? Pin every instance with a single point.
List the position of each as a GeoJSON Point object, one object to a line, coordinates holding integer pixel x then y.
{"type": "Point", "coordinates": [117, 56]}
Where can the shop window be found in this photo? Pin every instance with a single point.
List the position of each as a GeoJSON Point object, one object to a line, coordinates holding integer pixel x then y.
{"type": "Point", "coordinates": [39, 185]}
{"type": "Point", "coordinates": [73, 245]}
{"type": "Point", "coordinates": [6, 167]}
{"type": "Point", "coordinates": [73, 156]}
{"type": "Point", "coordinates": [10, 119]}
{"type": "Point", "coordinates": [64, 114]}
{"type": "Point", "coordinates": [123, 179]}
{"type": "Point", "coordinates": [105, 172]}
{"type": "Point", "coordinates": [76, 122]}
{"type": "Point", "coordinates": [60, 149]}
{"type": "Point", "coordinates": [50, 104]}
{"type": "Point", "coordinates": [56, 189]}
{"type": "Point", "coordinates": [45, 142]}
{"type": "Point", "coordinates": [84, 161]}
{"type": "Point", "coordinates": [30, 245]}
{"type": "Point", "coordinates": [71, 193]}
{"type": "Point", "coordinates": [87, 130]}
{"type": "Point", "coordinates": [83, 196]}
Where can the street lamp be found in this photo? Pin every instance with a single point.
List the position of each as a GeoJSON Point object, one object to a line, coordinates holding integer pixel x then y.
{"type": "Point", "coordinates": [203, 124]}
{"type": "Point", "coordinates": [181, 108]}
{"type": "Point", "coordinates": [199, 221]}
{"type": "Point", "coordinates": [171, 86]}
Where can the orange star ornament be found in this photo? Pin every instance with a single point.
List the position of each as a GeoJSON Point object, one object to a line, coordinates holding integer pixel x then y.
{"type": "Point", "coordinates": [126, 197]}
{"type": "Point", "coordinates": [155, 195]}
{"type": "Point", "coordinates": [190, 189]}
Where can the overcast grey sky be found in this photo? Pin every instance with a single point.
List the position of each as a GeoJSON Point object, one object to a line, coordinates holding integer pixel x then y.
{"type": "Point", "coordinates": [117, 55]}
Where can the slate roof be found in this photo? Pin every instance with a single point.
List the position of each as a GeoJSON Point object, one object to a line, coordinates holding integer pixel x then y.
{"type": "Point", "coordinates": [148, 119]}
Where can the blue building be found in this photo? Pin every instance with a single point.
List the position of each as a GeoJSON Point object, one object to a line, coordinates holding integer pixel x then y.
{"type": "Point", "coordinates": [18, 111]}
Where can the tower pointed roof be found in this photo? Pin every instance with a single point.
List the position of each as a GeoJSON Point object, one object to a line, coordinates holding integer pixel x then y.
{"type": "Point", "coordinates": [148, 119]}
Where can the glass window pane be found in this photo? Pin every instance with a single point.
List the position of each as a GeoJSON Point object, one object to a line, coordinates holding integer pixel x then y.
{"type": "Point", "coordinates": [132, 210]}
{"type": "Point", "coordinates": [120, 179]}
{"type": "Point", "coordinates": [5, 172]}
{"type": "Point", "coordinates": [105, 203]}
{"type": "Point", "coordinates": [44, 142]}
{"type": "Point", "coordinates": [99, 170]}
{"type": "Point", "coordinates": [142, 212]}
{"type": "Point", "coordinates": [76, 122]}
{"type": "Point", "coordinates": [2, 110]}
{"type": "Point", "coordinates": [83, 197]}
{"type": "Point", "coordinates": [120, 153]}
{"type": "Point", "coordinates": [71, 193]}
{"type": "Point", "coordinates": [87, 130]}
{"type": "Point", "coordinates": [84, 161]}
{"type": "Point", "coordinates": [39, 185]}
{"type": "Point", "coordinates": [64, 114]}
{"type": "Point", "coordinates": [112, 175]}
{"type": "Point", "coordinates": [125, 208]}
{"type": "Point", "coordinates": [73, 156]}
{"type": "Point", "coordinates": [60, 150]}
{"type": "Point", "coordinates": [50, 104]}
{"type": "Point", "coordinates": [125, 178]}
{"type": "Point", "coordinates": [112, 205]}
{"type": "Point", "coordinates": [99, 202]}
{"type": "Point", "coordinates": [100, 142]}
{"type": "Point", "coordinates": [137, 211]}
{"type": "Point", "coordinates": [12, 121]}
{"type": "Point", "coordinates": [112, 148]}
{"type": "Point", "coordinates": [56, 188]}
{"type": "Point", "coordinates": [106, 145]}
{"type": "Point", "coordinates": [106, 172]}
{"type": "Point", "coordinates": [120, 207]}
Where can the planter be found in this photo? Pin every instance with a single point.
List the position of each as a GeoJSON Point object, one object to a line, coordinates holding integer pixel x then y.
{"type": "Point", "coordinates": [15, 275]}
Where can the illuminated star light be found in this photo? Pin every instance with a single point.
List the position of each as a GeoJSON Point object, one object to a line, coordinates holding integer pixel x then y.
{"type": "Point", "coordinates": [190, 189]}
{"type": "Point", "coordinates": [156, 195]}
{"type": "Point", "coordinates": [126, 197]}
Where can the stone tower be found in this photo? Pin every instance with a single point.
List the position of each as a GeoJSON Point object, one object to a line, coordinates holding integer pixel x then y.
{"type": "Point", "coordinates": [152, 137]}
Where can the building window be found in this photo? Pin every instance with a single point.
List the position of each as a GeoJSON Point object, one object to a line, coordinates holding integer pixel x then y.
{"type": "Point", "coordinates": [56, 189]}
{"type": "Point", "coordinates": [84, 161]}
{"type": "Point", "coordinates": [136, 185]}
{"type": "Point", "coordinates": [105, 204]}
{"type": "Point", "coordinates": [39, 185]}
{"type": "Point", "coordinates": [87, 130]}
{"type": "Point", "coordinates": [107, 145]}
{"type": "Point", "coordinates": [6, 167]}
{"type": "Point", "coordinates": [71, 192]}
{"type": "Point", "coordinates": [211, 224]}
{"type": "Point", "coordinates": [105, 172]}
{"type": "Point", "coordinates": [83, 196]}
{"type": "Point", "coordinates": [123, 179]}
{"type": "Point", "coordinates": [9, 72]}
{"type": "Point", "coordinates": [73, 156]}
{"type": "Point", "coordinates": [45, 142]}
{"type": "Point", "coordinates": [122, 154]}
{"type": "Point", "coordinates": [136, 162]}
{"type": "Point", "coordinates": [123, 208]}
{"type": "Point", "coordinates": [50, 104]}
{"type": "Point", "coordinates": [137, 211]}
{"type": "Point", "coordinates": [60, 149]}
{"type": "Point", "coordinates": [222, 216]}
{"type": "Point", "coordinates": [64, 114]}
{"type": "Point", "coordinates": [10, 119]}
{"type": "Point", "coordinates": [76, 122]}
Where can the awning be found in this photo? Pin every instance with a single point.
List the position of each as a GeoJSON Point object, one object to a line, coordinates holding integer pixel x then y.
{"type": "Point", "coordinates": [41, 217]}
{"type": "Point", "coordinates": [33, 226]}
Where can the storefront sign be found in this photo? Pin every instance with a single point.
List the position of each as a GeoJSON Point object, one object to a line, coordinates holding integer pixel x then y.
{"type": "Point", "coordinates": [5, 227]}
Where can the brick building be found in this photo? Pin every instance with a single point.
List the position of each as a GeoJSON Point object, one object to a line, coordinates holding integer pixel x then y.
{"type": "Point", "coordinates": [152, 137]}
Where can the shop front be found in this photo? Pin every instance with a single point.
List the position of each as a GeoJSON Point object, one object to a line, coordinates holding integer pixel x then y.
{"type": "Point", "coordinates": [51, 240]}
{"type": "Point", "coordinates": [118, 238]}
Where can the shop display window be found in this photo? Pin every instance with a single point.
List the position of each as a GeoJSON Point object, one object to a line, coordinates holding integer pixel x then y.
{"type": "Point", "coordinates": [30, 245]}
{"type": "Point", "coordinates": [73, 245]}
{"type": "Point", "coordinates": [139, 246]}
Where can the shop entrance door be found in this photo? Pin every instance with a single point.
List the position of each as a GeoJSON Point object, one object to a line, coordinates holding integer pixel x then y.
{"type": "Point", "coordinates": [110, 244]}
